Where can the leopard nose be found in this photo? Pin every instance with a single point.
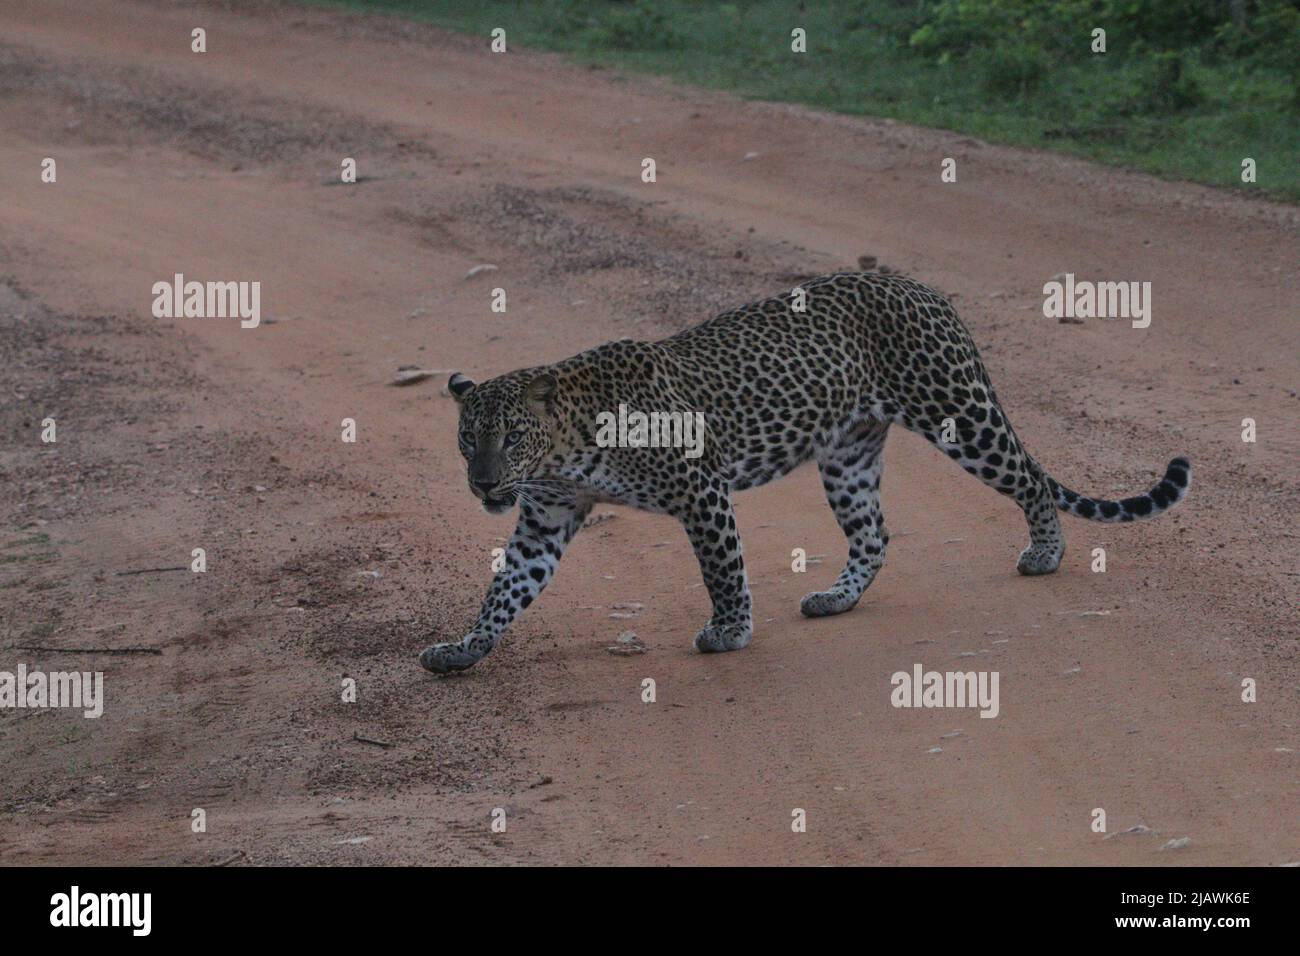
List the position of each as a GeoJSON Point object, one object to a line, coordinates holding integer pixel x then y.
{"type": "Point", "coordinates": [482, 485]}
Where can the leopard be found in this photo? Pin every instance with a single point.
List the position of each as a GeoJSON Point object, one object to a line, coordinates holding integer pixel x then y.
{"type": "Point", "coordinates": [819, 372]}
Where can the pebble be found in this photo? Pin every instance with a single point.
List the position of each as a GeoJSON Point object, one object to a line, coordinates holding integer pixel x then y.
{"type": "Point", "coordinates": [1140, 830]}
{"type": "Point", "coordinates": [409, 376]}
{"type": "Point", "coordinates": [628, 645]}
{"type": "Point", "coordinates": [1178, 844]}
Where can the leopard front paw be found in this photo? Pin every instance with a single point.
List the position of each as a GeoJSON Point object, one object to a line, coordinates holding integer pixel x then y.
{"type": "Point", "coordinates": [715, 639]}
{"type": "Point", "coordinates": [448, 658]}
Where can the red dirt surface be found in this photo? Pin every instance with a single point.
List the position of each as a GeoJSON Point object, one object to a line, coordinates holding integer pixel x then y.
{"type": "Point", "coordinates": [329, 560]}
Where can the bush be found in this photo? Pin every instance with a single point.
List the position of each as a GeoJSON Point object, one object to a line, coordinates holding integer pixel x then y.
{"type": "Point", "coordinates": [1169, 86]}
{"type": "Point", "coordinates": [1010, 69]}
{"type": "Point", "coordinates": [642, 25]}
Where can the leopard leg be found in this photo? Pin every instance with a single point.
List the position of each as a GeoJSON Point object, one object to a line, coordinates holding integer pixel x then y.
{"type": "Point", "coordinates": [992, 453]}
{"type": "Point", "coordinates": [710, 523]}
{"type": "Point", "coordinates": [547, 523]}
{"type": "Point", "coordinates": [982, 441]}
{"type": "Point", "coordinates": [1046, 544]}
{"type": "Point", "coordinates": [850, 471]}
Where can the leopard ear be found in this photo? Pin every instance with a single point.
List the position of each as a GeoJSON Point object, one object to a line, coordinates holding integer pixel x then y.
{"type": "Point", "coordinates": [459, 386]}
{"type": "Point", "coordinates": [542, 388]}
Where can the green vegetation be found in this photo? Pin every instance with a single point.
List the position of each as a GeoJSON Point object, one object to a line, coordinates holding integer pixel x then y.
{"type": "Point", "coordinates": [26, 542]}
{"type": "Point", "coordinates": [20, 558]}
{"type": "Point", "coordinates": [1185, 89]}
{"type": "Point", "coordinates": [11, 555]}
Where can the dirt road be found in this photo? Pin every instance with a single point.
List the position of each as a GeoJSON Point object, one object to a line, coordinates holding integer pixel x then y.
{"type": "Point", "coordinates": [330, 560]}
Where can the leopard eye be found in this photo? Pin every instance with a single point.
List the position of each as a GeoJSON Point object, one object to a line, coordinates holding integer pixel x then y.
{"type": "Point", "coordinates": [512, 438]}
{"type": "Point", "coordinates": [467, 438]}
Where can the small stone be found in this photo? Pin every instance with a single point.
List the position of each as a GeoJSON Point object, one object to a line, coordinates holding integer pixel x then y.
{"type": "Point", "coordinates": [627, 648]}
{"type": "Point", "coordinates": [1139, 830]}
{"type": "Point", "coordinates": [1179, 843]}
{"type": "Point", "coordinates": [409, 376]}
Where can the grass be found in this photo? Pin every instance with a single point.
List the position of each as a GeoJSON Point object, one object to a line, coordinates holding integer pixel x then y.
{"type": "Point", "coordinates": [21, 558]}
{"type": "Point", "coordinates": [26, 542]}
{"type": "Point", "coordinates": [1124, 109]}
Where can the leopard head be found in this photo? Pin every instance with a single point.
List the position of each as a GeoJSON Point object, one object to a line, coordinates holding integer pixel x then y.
{"type": "Point", "coordinates": [505, 432]}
